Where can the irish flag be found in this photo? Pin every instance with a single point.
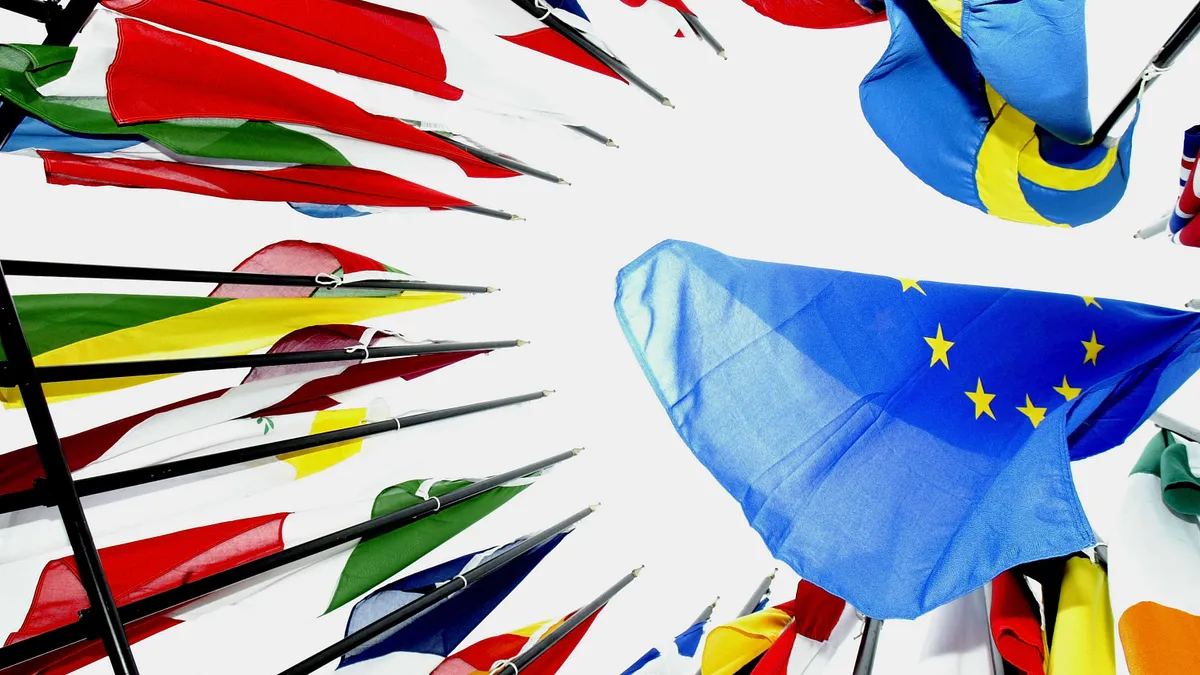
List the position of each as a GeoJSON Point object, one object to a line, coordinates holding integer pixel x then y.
{"type": "Point", "coordinates": [479, 658]}
{"type": "Point", "coordinates": [37, 598]}
{"type": "Point", "coordinates": [1153, 558]}
{"type": "Point", "coordinates": [93, 327]}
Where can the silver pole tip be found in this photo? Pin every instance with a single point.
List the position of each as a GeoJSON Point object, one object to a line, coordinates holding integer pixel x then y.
{"type": "Point", "coordinates": [547, 392]}
{"type": "Point", "coordinates": [638, 570]}
{"type": "Point", "coordinates": [611, 143]}
{"type": "Point", "coordinates": [576, 451]}
{"type": "Point", "coordinates": [667, 102]}
{"type": "Point", "coordinates": [522, 343]}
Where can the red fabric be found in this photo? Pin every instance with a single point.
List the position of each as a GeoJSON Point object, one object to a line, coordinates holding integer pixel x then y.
{"type": "Point", "coordinates": [349, 36]}
{"type": "Point", "coordinates": [19, 468]}
{"type": "Point", "coordinates": [294, 256]}
{"type": "Point", "coordinates": [775, 660]}
{"type": "Point", "coordinates": [311, 184]}
{"type": "Point", "coordinates": [679, 33]}
{"type": "Point", "coordinates": [482, 654]}
{"type": "Point", "coordinates": [816, 13]}
{"type": "Point", "coordinates": [817, 611]}
{"type": "Point", "coordinates": [1189, 203]}
{"type": "Point", "coordinates": [673, 4]}
{"type": "Point", "coordinates": [142, 568]}
{"type": "Point", "coordinates": [550, 43]}
{"type": "Point", "coordinates": [1017, 625]}
{"type": "Point", "coordinates": [553, 658]}
{"type": "Point", "coordinates": [70, 659]}
{"type": "Point", "coordinates": [193, 79]}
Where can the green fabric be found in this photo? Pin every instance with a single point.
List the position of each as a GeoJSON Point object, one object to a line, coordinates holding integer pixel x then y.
{"type": "Point", "coordinates": [24, 68]}
{"type": "Point", "coordinates": [55, 320]}
{"type": "Point", "coordinates": [1167, 458]}
{"type": "Point", "coordinates": [375, 560]}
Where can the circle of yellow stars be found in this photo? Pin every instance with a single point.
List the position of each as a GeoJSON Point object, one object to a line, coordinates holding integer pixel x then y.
{"type": "Point", "coordinates": [980, 397]}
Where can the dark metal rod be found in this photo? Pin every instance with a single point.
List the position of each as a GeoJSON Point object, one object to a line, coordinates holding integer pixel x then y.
{"type": "Point", "coordinates": [100, 371]}
{"type": "Point", "coordinates": [139, 609]}
{"type": "Point", "coordinates": [484, 211]}
{"type": "Point", "coordinates": [429, 600]}
{"type": "Point", "coordinates": [40, 268]}
{"type": "Point", "coordinates": [570, 33]}
{"type": "Point", "coordinates": [39, 10]}
{"type": "Point", "coordinates": [498, 159]}
{"type": "Point", "coordinates": [36, 496]}
{"type": "Point", "coordinates": [522, 661]}
{"type": "Point", "coordinates": [1179, 40]}
{"type": "Point", "coordinates": [694, 22]}
{"type": "Point", "coordinates": [865, 661]}
{"type": "Point", "coordinates": [592, 134]}
{"type": "Point", "coordinates": [101, 617]}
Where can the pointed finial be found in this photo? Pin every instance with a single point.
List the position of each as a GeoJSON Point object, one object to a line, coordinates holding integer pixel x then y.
{"type": "Point", "coordinates": [576, 451]}
{"type": "Point", "coordinates": [638, 570]}
{"type": "Point", "coordinates": [491, 289]}
{"type": "Point", "coordinates": [611, 143]}
{"type": "Point", "coordinates": [547, 392]}
{"type": "Point", "coordinates": [595, 506]}
{"type": "Point", "coordinates": [522, 343]}
{"type": "Point", "coordinates": [723, 55]}
{"type": "Point", "coordinates": [667, 102]}
{"type": "Point", "coordinates": [773, 573]}
{"type": "Point", "coordinates": [563, 181]}
{"type": "Point", "coordinates": [516, 217]}
{"type": "Point", "coordinates": [714, 602]}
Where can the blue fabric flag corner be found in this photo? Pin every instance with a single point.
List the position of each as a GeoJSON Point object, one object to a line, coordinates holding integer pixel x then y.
{"type": "Point", "coordinates": [898, 442]}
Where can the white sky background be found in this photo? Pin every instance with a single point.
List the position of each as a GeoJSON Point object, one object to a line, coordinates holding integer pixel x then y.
{"type": "Point", "coordinates": [767, 156]}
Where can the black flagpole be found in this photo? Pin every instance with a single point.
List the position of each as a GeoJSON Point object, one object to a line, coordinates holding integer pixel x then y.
{"type": "Point", "coordinates": [101, 616]}
{"type": "Point", "coordinates": [763, 587]}
{"type": "Point", "coordinates": [502, 161]}
{"type": "Point", "coordinates": [593, 134]}
{"type": "Point", "coordinates": [395, 618]}
{"type": "Point", "coordinates": [580, 40]}
{"type": "Point", "coordinates": [81, 630]}
{"type": "Point", "coordinates": [522, 661]}
{"type": "Point", "coordinates": [865, 661]}
{"type": "Point", "coordinates": [112, 369]}
{"type": "Point", "coordinates": [694, 22]}
{"type": "Point", "coordinates": [1166, 56]}
{"type": "Point", "coordinates": [40, 268]}
{"type": "Point", "coordinates": [39, 495]}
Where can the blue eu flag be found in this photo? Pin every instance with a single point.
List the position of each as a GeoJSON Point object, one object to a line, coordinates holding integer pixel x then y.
{"type": "Point", "coordinates": [898, 442]}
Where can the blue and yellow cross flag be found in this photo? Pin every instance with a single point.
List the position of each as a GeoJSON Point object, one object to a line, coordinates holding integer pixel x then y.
{"type": "Point", "coordinates": [987, 103]}
{"type": "Point", "coordinates": [898, 442]}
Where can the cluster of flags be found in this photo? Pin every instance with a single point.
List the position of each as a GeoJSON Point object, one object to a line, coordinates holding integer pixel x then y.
{"type": "Point", "coordinates": [955, 412]}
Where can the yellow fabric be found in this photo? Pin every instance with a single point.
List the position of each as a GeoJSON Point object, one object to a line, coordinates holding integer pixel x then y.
{"type": "Point", "coordinates": [315, 460]}
{"type": "Point", "coordinates": [1083, 632]}
{"type": "Point", "coordinates": [733, 645]}
{"type": "Point", "coordinates": [951, 13]}
{"type": "Point", "coordinates": [239, 326]}
{"type": "Point", "coordinates": [1160, 640]}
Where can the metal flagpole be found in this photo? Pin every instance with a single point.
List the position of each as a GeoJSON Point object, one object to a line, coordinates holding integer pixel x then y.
{"type": "Point", "coordinates": [1181, 429]}
{"type": "Point", "coordinates": [39, 495]}
{"type": "Point", "coordinates": [593, 134]}
{"type": "Point", "coordinates": [867, 648]}
{"type": "Point", "coordinates": [395, 618]}
{"type": "Point", "coordinates": [580, 40]}
{"type": "Point", "coordinates": [1162, 60]}
{"type": "Point", "coordinates": [694, 22]}
{"type": "Point", "coordinates": [521, 661]}
{"type": "Point", "coordinates": [79, 631]}
{"type": "Point", "coordinates": [101, 615]}
{"type": "Point", "coordinates": [110, 369]}
{"type": "Point", "coordinates": [41, 268]}
{"type": "Point", "coordinates": [706, 614]}
{"type": "Point", "coordinates": [763, 587]}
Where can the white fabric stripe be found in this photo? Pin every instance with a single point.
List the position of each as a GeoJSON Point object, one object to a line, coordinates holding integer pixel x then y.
{"type": "Point", "coordinates": [840, 641]}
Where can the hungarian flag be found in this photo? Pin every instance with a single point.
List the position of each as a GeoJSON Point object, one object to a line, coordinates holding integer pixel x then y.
{"type": "Point", "coordinates": [397, 46]}
{"type": "Point", "coordinates": [1188, 204]}
{"type": "Point", "coordinates": [821, 623]}
{"type": "Point", "coordinates": [1083, 630]}
{"type": "Point", "coordinates": [950, 640]}
{"type": "Point", "coordinates": [820, 13]}
{"type": "Point", "coordinates": [70, 328]}
{"type": "Point", "coordinates": [993, 111]}
{"type": "Point", "coordinates": [38, 598]}
{"type": "Point", "coordinates": [676, 658]}
{"type": "Point", "coordinates": [1153, 558]}
{"type": "Point", "coordinates": [481, 657]}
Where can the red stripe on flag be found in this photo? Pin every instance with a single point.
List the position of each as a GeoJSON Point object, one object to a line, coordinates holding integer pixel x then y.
{"type": "Point", "coordinates": [285, 257]}
{"type": "Point", "coordinates": [158, 75]}
{"type": "Point", "coordinates": [816, 13]}
{"type": "Point", "coordinates": [1017, 624]}
{"type": "Point", "coordinates": [139, 569]}
{"type": "Point", "coordinates": [775, 660]}
{"type": "Point", "coordinates": [348, 36]}
{"type": "Point", "coordinates": [311, 184]}
{"type": "Point", "coordinates": [550, 43]}
{"type": "Point", "coordinates": [816, 611]}
{"type": "Point", "coordinates": [553, 658]}
{"type": "Point", "coordinates": [70, 659]}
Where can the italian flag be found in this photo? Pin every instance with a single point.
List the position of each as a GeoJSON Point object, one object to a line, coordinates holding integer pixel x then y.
{"type": "Point", "coordinates": [40, 597]}
{"type": "Point", "coordinates": [479, 658]}
{"type": "Point", "coordinates": [1154, 556]}
{"type": "Point", "coordinates": [75, 328]}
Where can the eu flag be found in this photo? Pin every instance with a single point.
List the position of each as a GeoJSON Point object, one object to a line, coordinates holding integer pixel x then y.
{"type": "Point", "coordinates": [898, 442]}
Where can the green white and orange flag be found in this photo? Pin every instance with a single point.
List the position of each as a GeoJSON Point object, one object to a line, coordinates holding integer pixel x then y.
{"type": "Point", "coordinates": [1153, 560]}
{"type": "Point", "coordinates": [72, 328]}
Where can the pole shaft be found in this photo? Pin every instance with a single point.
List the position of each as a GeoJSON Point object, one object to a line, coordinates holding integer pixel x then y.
{"type": "Point", "coordinates": [865, 661]}
{"type": "Point", "coordinates": [694, 21]}
{"type": "Point", "coordinates": [39, 10]}
{"type": "Point", "coordinates": [763, 587]}
{"type": "Point", "coordinates": [102, 614]}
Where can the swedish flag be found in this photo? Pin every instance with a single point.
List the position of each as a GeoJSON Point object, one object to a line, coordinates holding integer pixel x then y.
{"type": "Point", "coordinates": [987, 102]}
{"type": "Point", "coordinates": [898, 442]}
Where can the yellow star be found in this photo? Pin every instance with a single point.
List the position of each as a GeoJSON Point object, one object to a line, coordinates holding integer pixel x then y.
{"type": "Point", "coordinates": [1093, 348]}
{"type": "Point", "coordinates": [906, 284]}
{"type": "Point", "coordinates": [981, 399]}
{"type": "Point", "coordinates": [1088, 301]}
{"type": "Point", "coordinates": [941, 349]}
{"type": "Point", "coordinates": [1034, 413]}
{"type": "Point", "coordinates": [1068, 392]}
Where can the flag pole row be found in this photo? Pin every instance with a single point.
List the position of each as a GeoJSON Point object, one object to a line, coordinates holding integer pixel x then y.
{"type": "Point", "coordinates": [389, 621]}
{"type": "Point", "coordinates": [101, 618]}
{"type": "Point", "coordinates": [100, 371]}
{"type": "Point", "coordinates": [39, 494]}
{"type": "Point", "coordinates": [81, 630]}
{"type": "Point", "coordinates": [522, 661]}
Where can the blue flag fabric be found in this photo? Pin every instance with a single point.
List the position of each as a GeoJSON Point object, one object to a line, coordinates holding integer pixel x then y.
{"type": "Point", "coordinates": [986, 106]}
{"type": "Point", "coordinates": [678, 659]}
{"type": "Point", "coordinates": [439, 630]}
{"type": "Point", "coordinates": [897, 442]}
